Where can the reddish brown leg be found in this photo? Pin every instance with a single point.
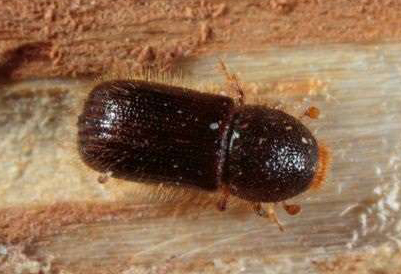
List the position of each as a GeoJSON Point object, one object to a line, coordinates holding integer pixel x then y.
{"type": "Point", "coordinates": [269, 213]}
{"type": "Point", "coordinates": [222, 204]}
{"type": "Point", "coordinates": [103, 178]}
{"type": "Point", "coordinates": [312, 112]}
{"type": "Point", "coordinates": [291, 209]}
{"type": "Point", "coordinates": [233, 83]}
{"type": "Point", "coordinates": [257, 207]}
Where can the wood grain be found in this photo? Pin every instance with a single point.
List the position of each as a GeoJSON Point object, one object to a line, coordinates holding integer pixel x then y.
{"type": "Point", "coordinates": [54, 208]}
{"type": "Point", "coordinates": [56, 38]}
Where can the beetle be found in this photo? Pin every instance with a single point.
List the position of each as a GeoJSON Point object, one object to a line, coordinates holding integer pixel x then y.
{"type": "Point", "coordinates": [150, 132]}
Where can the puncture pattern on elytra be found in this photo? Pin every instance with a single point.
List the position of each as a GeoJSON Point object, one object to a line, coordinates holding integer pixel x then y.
{"type": "Point", "coordinates": [150, 132]}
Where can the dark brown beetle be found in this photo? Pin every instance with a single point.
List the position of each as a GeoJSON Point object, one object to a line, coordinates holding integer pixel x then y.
{"type": "Point", "coordinates": [150, 132]}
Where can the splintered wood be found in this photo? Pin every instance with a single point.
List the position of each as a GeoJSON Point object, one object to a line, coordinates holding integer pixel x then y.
{"type": "Point", "coordinates": [56, 216]}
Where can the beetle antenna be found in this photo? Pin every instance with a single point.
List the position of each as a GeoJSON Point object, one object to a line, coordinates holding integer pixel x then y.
{"type": "Point", "coordinates": [291, 209]}
{"type": "Point", "coordinates": [311, 112]}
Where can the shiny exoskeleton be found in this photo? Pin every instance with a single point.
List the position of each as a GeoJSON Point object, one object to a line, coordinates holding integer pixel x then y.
{"type": "Point", "coordinates": [150, 132]}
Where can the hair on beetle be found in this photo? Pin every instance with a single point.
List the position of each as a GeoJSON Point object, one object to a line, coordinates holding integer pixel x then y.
{"type": "Point", "coordinates": [180, 141]}
{"type": "Point", "coordinates": [181, 200]}
{"type": "Point", "coordinates": [322, 168]}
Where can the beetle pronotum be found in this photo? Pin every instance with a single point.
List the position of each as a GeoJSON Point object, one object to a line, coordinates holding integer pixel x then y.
{"type": "Point", "coordinates": [145, 131]}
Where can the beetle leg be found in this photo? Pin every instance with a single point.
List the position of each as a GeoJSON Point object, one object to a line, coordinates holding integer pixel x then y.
{"type": "Point", "coordinates": [222, 203]}
{"type": "Point", "coordinates": [103, 178]}
{"type": "Point", "coordinates": [291, 209]}
{"type": "Point", "coordinates": [232, 83]}
{"type": "Point", "coordinates": [257, 207]}
{"type": "Point", "coordinates": [269, 213]}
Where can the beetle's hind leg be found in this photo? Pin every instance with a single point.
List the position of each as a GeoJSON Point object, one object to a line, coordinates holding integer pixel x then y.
{"type": "Point", "coordinates": [269, 213]}
{"type": "Point", "coordinates": [222, 203]}
{"type": "Point", "coordinates": [233, 83]}
{"type": "Point", "coordinates": [104, 177]}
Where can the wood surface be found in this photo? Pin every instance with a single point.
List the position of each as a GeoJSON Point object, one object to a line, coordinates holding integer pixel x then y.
{"type": "Point", "coordinates": [56, 218]}
{"type": "Point", "coordinates": [56, 38]}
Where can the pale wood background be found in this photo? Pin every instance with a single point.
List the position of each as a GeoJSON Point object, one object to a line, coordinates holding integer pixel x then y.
{"type": "Point", "coordinates": [357, 212]}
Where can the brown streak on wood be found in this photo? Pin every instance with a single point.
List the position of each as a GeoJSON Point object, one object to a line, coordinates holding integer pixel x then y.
{"type": "Point", "coordinates": [89, 38]}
